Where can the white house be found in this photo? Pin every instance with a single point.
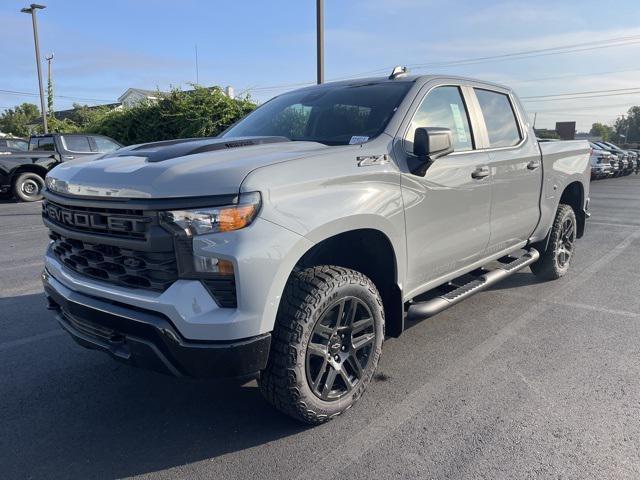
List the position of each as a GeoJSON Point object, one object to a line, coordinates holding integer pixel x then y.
{"type": "Point", "coordinates": [133, 96]}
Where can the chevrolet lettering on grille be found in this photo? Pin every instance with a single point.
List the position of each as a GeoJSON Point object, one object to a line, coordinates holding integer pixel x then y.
{"type": "Point", "coordinates": [93, 220]}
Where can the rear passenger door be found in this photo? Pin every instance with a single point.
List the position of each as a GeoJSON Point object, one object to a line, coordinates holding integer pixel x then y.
{"type": "Point", "coordinates": [516, 169]}
{"type": "Point", "coordinates": [447, 208]}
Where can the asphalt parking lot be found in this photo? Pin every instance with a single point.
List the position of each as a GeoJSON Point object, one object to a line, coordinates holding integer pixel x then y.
{"type": "Point", "coordinates": [528, 380]}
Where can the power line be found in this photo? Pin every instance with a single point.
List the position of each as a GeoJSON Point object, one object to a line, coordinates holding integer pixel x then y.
{"type": "Point", "coordinates": [29, 94]}
{"type": "Point", "coordinates": [580, 93]}
{"type": "Point", "coordinates": [565, 114]}
{"type": "Point", "coordinates": [573, 75]}
{"type": "Point", "coordinates": [582, 97]}
{"type": "Point", "coordinates": [578, 47]}
{"type": "Point", "coordinates": [593, 107]}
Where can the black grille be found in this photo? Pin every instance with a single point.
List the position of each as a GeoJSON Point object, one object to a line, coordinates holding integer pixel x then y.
{"type": "Point", "coordinates": [120, 266]}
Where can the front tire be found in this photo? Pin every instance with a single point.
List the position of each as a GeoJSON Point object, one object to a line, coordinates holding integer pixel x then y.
{"type": "Point", "coordinates": [554, 262]}
{"type": "Point", "coordinates": [28, 187]}
{"type": "Point", "coordinates": [326, 343]}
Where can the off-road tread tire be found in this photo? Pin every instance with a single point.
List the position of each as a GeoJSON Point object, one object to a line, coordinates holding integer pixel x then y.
{"type": "Point", "coordinates": [546, 268]}
{"type": "Point", "coordinates": [17, 192]}
{"type": "Point", "coordinates": [283, 381]}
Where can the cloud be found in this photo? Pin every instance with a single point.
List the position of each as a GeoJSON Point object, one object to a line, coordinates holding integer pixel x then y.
{"type": "Point", "coordinates": [507, 12]}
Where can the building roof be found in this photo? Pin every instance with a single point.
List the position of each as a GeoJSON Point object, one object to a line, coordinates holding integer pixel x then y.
{"type": "Point", "coordinates": [139, 91]}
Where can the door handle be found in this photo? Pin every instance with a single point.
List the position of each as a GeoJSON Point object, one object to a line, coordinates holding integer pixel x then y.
{"type": "Point", "coordinates": [533, 164]}
{"type": "Point", "coordinates": [480, 172]}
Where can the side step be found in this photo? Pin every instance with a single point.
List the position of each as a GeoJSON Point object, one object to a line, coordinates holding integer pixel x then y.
{"type": "Point", "coordinates": [485, 279]}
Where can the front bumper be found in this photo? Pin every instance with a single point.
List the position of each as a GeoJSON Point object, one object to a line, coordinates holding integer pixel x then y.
{"type": "Point", "coordinates": [148, 339]}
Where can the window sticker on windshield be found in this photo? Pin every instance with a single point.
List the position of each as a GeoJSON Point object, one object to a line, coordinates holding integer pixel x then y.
{"type": "Point", "coordinates": [358, 139]}
{"type": "Point", "coordinates": [457, 118]}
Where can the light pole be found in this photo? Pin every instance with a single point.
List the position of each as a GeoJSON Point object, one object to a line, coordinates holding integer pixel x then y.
{"type": "Point", "coordinates": [32, 10]}
{"type": "Point", "coordinates": [320, 39]}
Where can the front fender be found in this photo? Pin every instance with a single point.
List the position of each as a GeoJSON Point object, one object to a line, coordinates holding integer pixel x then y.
{"type": "Point", "coordinates": [327, 195]}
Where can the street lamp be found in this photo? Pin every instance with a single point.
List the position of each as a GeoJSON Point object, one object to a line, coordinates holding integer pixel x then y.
{"type": "Point", "coordinates": [32, 10]}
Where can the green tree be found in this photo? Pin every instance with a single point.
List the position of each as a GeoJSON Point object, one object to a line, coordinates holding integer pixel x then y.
{"type": "Point", "coordinates": [201, 112]}
{"type": "Point", "coordinates": [552, 134]}
{"type": "Point", "coordinates": [627, 128]}
{"type": "Point", "coordinates": [601, 130]}
{"type": "Point", "coordinates": [15, 120]}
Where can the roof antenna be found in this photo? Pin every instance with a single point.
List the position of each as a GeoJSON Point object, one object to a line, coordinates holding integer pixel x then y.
{"type": "Point", "coordinates": [398, 72]}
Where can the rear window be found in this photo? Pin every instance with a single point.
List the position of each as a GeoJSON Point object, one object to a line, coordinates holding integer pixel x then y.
{"type": "Point", "coordinates": [42, 144]}
{"type": "Point", "coordinates": [76, 143]}
{"type": "Point", "coordinates": [499, 118]}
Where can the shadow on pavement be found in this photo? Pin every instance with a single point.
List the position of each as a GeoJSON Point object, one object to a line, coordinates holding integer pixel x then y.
{"type": "Point", "coordinates": [7, 199]}
{"type": "Point", "coordinates": [80, 414]}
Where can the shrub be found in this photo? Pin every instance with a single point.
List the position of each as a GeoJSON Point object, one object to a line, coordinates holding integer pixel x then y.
{"type": "Point", "coordinates": [201, 112]}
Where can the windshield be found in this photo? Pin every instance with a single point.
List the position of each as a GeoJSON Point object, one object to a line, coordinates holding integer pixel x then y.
{"type": "Point", "coordinates": [333, 115]}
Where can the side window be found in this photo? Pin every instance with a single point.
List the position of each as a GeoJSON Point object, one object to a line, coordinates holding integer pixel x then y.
{"type": "Point", "coordinates": [45, 144]}
{"type": "Point", "coordinates": [104, 145]}
{"type": "Point", "coordinates": [17, 145]}
{"type": "Point", "coordinates": [76, 143]}
{"type": "Point", "coordinates": [443, 107]}
{"type": "Point", "coordinates": [499, 117]}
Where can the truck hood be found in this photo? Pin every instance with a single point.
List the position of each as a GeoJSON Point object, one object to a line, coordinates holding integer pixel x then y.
{"type": "Point", "coordinates": [178, 168]}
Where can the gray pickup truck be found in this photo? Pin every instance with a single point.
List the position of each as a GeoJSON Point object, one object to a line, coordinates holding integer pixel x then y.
{"type": "Point", "coordinates": [289, 246]}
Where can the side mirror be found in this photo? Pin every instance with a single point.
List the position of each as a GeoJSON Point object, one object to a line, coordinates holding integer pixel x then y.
{"type": "Point", "coordinates": [431, 143]}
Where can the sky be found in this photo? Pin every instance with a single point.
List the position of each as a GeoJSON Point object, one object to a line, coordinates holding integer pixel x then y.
{"type": "Point", "coordinates": [267, 47]}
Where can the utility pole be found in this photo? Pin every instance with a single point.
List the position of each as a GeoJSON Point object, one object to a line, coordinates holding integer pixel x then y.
{"type": "Point", "coordinates": [48, 58]}
{"type": "Point", "coordinates": [32, 10]}
{"type": "Point", "coordinates": [197, 70]}
{"type": "Point", "coordinates": [535, 117]}
{"type": "Point", "coordinates": [320, 39]}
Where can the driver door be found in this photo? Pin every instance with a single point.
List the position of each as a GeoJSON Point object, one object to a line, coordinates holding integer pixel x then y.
{"type": "Point", "coordinates": [447, 211]}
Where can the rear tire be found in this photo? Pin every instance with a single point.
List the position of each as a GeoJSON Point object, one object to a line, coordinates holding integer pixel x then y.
{"type": "Point", "coordinates": [326, 343]}
{"type": "Point", "coordinates": [28, 186]}
{"type": "Point", "coordinates": [556, 259]}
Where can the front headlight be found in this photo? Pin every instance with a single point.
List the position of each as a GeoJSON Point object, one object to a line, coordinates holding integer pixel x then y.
{"type": "Point", "coordinates": [215, 219]}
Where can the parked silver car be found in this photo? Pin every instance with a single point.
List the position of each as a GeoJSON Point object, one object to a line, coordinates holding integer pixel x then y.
{"type": "Point", "coordinates": [614, 160]}
{"type": "Point", "coordinates": [601, 163]}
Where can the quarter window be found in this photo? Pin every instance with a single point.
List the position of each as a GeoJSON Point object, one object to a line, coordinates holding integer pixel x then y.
{"type": "Point", "coordinates": [104, 145]}
{"type": "Point", "coordinates": [443, 107]}
{"type": "Point", "coordinates": [499, 118]}
{"type": "Point", "coordinates": [77, 143]}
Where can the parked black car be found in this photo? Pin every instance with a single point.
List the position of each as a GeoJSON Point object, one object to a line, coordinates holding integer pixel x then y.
{"type": "Point", "coordinates": [23, 173]}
